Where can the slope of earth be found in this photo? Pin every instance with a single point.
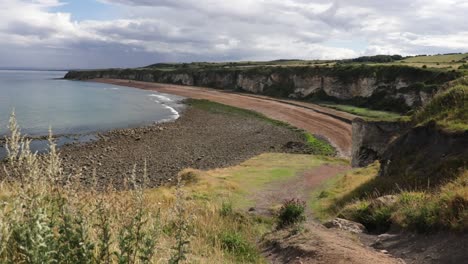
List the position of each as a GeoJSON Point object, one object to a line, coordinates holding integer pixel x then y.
{"type": "Point", "coordinates": [337, 131]}
{"type": "Point", "coordinates": [264, 182]}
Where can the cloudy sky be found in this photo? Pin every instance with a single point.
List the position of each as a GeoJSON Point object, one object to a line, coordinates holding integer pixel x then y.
{"type": "Point", "coordinates": [124, 33]}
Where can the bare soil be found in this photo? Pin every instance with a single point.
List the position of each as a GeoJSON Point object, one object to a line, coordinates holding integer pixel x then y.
{"type": "Point", "coordinates": [312, 118]}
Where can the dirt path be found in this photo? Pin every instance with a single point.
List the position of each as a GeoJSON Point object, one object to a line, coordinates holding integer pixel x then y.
{"type": "Point", "coordinates": [312, 118]}
{"type": "Point", "coordinates": [316, 244]}
{"type": "Point", "coordinates": [298, 187]}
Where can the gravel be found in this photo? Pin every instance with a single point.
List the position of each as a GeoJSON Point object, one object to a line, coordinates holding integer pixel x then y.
{"type": "Point", "coordinates": [199, 139]}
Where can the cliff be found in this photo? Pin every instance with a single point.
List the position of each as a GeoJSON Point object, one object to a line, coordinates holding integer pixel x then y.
{"type": "Point", "coordinates": [393, 88]}
{"type": "Point", "coordinates": [371, 139]}
{"type": "Point", "coordinates": [426, 154]}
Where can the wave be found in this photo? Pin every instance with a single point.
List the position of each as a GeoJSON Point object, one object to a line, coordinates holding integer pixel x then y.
{"type": "Point", "coordinates": [174, 112]}
{"type": "Point", "coordinates": [162, 98]}
{"type": "Point", "coordinates": [111, 88]}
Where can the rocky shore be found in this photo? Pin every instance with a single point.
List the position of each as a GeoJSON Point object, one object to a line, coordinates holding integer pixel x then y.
{"type": "Point", "coordinates": [199, 139]}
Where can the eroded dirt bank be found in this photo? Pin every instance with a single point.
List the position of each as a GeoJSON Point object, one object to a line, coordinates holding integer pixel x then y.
{"type": "Point", "coordinates": [337, 131]}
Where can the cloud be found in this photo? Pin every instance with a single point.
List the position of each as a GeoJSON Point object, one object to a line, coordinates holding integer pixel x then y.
{"type": "Point", "coordinates": [187, 30]}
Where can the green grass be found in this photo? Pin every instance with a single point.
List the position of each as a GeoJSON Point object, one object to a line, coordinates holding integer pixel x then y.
{"type": "Point", "coordinates": [353, 196]}
{"type": "Point", "coordinates": [327, 200]}
{"type": "Point", "coordinates": [449, 109]}
{"type": "Point", "coordinates": [437, 58]}
{"type": "Point", "coordinates": [364, 112]}
{"type": "Point", "coordinates": [319, 146]}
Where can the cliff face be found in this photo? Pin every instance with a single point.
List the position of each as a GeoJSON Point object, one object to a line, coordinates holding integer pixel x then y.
{"type": "Point", "coordinates": [371, 139]}
{"type": "Point", "coordinates": [394, 88]}
{"type": "Point", "coordinates": [426, 153]}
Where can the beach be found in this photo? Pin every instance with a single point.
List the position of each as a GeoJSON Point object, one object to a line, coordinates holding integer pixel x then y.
{"type": "Point", "coordinates": [199, 139]}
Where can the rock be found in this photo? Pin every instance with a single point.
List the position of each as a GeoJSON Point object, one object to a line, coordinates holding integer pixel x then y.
{"type": "Point", "coordinates": [386, 200]}
{"type": "Point", "coordinates": [347, 225]}
{"type": "Point", "coordinates": [370, 139]}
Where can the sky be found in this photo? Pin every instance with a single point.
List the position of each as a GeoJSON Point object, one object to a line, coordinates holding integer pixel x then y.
{"type": "Point", "coordinates": [72, 34]}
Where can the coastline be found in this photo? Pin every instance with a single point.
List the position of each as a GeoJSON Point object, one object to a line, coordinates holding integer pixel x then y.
{"type": "Point", "coordinates": [199, 139]}
{"type": "Point", "coordinates": [309, 117]}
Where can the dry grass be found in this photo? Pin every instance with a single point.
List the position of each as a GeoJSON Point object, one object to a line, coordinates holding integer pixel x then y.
{"type": "Point", "coordinates": [355, 194]}
{"type": "Point", "coordinates": [47, 217]}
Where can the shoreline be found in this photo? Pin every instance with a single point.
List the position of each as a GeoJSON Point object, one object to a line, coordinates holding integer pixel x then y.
{"type": "Point", "coordinates": [199, 139]}
{"type": "Point", "coordinates": [337, 131]}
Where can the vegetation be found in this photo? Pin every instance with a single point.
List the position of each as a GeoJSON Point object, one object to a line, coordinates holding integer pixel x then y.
{"type": "Point", "coordinates": [364, 112]}
{"type": "Point", "coordinates": [376, 58]}
{"type": "Point", "coordinates": [449, 109]}
{"type": "Point", "coordinates": [319, 146]}
{"type": "Point", "coordinates": [47, 216]}
{"type": "Point", "coordinates": [441, 61]}
{"type": "Point", "coordinates": [292, 212]}
{"type": "Point", "coordinates": [361, 196]}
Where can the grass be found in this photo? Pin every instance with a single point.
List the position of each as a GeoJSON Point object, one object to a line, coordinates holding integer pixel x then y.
{"type": "Point", "coordinates": [448, 109]}
{"type": "Point", "coordinates": [364, 112]}
{"type": "Point", "coordinates": [47, 216]}
{"type": "Point", "coordinates": [316, 145]}
{"type": "Point", "coordinates": [438, 58]}
{"type": "Point", "coordinates": [319, 146]}
{"type": "Point", "coordinates": [327, 201]}
{"type": "Point", "coordinates": [355, 196]}
{"type": "Point", "coordinates": [236, 185]}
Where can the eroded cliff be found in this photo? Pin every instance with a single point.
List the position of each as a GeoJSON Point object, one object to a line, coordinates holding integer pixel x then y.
{"type": "Point", "coordinates": [394, 88]}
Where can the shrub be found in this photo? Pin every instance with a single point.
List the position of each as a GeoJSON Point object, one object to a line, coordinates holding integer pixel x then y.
{"type": "Point", "coordinates": [234, 243]}
{"type": "Point", "coordinates": [376, 219]}
{"type": "Point", "coordinates": [291, 212]}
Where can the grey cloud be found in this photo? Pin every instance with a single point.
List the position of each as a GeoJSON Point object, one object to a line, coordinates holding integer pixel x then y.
{"type": "Point", "coordinates": [208, 30]}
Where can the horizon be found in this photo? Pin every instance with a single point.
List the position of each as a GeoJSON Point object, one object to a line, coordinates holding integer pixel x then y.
{"type": "Point", "coordinates": [89, 34]}
{"type": "Point", "coordinates": [169, 62]}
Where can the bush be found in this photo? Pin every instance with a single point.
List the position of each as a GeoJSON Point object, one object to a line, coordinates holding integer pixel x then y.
{"type": "Point", "coordinates": [291, 212]}
{"type": "Point", "coordinates": [376, 219]}
{"type": "Point", "coordinates": [235, 243]}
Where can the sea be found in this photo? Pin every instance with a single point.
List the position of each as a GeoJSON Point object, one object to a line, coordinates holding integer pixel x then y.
{"type": "Point", "coordinates": [76, 110]}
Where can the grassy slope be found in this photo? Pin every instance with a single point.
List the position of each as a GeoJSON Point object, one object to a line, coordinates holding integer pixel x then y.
{"type": "Point", "coordinates": [365, 113]}
{"type": "Point", "coordinates": [353, 194]}
{"type": "Point", "coordinates": [449, 109]}
{"type": "Point", "coordinates": [214, 204]}
{"type": "Point", "coordinates": [205, 216]}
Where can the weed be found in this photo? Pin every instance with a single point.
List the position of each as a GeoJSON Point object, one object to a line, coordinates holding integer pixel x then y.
{"type": "Point", "coordinates": [226, 209]}
{"type": "Point", "coordinates": [234, 243]}
{"type": "Point", "coordinates": [291, 212]}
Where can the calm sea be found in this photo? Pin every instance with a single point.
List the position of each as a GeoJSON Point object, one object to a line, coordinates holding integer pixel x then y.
{"type": "Point", "coordinates": [40, 100]}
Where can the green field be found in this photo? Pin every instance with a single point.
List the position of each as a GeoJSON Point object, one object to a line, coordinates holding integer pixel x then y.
{"type": "Point", "coordinates": [449, 61]}
{"type": "Point", "coordinates": [365, 113]}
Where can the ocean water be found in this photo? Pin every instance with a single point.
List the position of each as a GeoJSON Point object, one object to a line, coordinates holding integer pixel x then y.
{"type": "Point", "coordinates": [41, 100]}
{"type": "Point", "coordinates": [76, 110]}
